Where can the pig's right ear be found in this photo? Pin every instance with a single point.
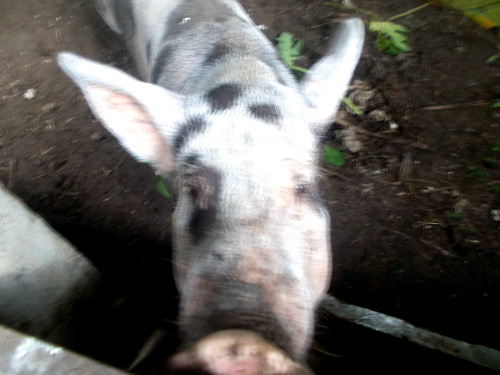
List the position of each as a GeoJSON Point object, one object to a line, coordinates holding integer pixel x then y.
{"type": "Point", "coordinates": [139, 114]}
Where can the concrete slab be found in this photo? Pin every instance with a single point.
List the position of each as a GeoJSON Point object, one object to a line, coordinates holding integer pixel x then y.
{"type": "Point", "coordinates": [42, 276]}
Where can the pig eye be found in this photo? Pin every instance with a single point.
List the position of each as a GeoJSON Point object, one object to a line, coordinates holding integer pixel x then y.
{"type": "Point", "coordinates": [300, 188]}
{"type": "Point", "coordinates": [202, 187]}
{"type": "Point", "coordinates": [200, 191]}
{"type": "Point", "coordinates": [192, 190]}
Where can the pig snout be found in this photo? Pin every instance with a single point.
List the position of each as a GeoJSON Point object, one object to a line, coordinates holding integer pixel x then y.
{"type": "Point", "coordinates": [252, 291]}
{"type": "Point", "coordinates": [234, 352]}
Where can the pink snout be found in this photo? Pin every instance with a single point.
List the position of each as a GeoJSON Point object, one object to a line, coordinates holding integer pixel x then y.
{"type": "Point", "coordinates": [234, 352]}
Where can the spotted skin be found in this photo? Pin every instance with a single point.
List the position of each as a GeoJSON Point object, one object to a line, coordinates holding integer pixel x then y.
{"type": "Point", "coordinates": [193, 126]}
{"type": "Point", "coordinates": [218, 51]}
{"type": "Point", "coordinates": [224, 96]}
{"type": "Point", "coordinates": [266, 112]}
{"type": "Point", "coordinates": [217, 111]}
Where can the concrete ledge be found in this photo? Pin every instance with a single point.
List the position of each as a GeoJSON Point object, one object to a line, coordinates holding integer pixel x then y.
{"type": "Point", "coordinates": [25, 355]}
{"type": "Point", "coordinates": [42, 276]}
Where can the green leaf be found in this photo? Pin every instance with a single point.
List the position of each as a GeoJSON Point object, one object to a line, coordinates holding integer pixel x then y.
{"type": "Point", "coordinates": [492, 58]}
{"type": "Point", "coordinates": [353, 107]}
{"type": "Point", "coordinates": [495, 147]}
{"type": "Point", "coordinates": [392, 37]}
{"type": "Point", "coordinates": [162, 188]}
{"type": "Point", "coordinates": [489, 161]}
{"type": "Point", "coordinates": [288, 49]}
{"type": "Point", "coordinates": [495, 104]}
{"type": "Point", "coordinates": [476, 173]}
{"type": "Point", "coordinates": [485, 12]}
{"type": "Point", "coordinates": [333, 156]}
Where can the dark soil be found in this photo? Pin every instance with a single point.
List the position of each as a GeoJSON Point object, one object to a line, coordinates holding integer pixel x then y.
{"type": "Point", "coordinates": [412, 232]}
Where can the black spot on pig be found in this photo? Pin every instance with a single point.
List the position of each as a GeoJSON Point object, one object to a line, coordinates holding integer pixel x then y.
{"type": "Point", "coordinates": [200, 223]}
{"type": "Point", "coordinates": [192, 127]}
{"type": "Point", "coordinates": [265, 112]}
{"type": "Point", "coordinates": [218, 51]}
{"type": "Point", "coordinates": [192, 161]}
{"type": "Point", "coordinates": [203, 186]}
{"type": "Point", "coordinates": [161, 62]}
{"type": "Point", "coordinates": [224, 96]}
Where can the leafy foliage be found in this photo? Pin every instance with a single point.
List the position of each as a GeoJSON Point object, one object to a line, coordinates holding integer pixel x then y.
{"type": "Point", "coordinates": [289, 50]}
{"type": "Point", "coordinates": [392, 38]}
{"type": "Point", "coordinates": [353, 107]}
{"type": "Point", "coordinates": [162, 188]}
{"type": "Point", "coordinates": [493, 58]}
{"type": "Point", "coordinates": [476, 173]}
{"type": "Point", "coordinates": [333, 156]}
{"type": "Point", "coordinates": [485, 12]}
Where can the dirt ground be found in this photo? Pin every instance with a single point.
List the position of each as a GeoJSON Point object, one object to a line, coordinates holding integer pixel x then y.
{"type": "Point", "coordinates": [412, 228]}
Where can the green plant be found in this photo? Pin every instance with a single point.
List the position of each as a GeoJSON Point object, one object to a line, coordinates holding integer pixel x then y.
{"type": "Point", "coordinates": [490, 162]}
{"type": "Point", "coordinates": [289, 50]}
{"type": "Point", "coordinates": [484, 12]}
{"type": "Point", "coordinates": [162, 188]}
{"type": "Point", "coordinates": [492, 58]}
{"type": "Point", "coordinates": [353, 107]}
{"type": "Point", "coordinates": [333, 156]}
{"type": "Point", "coordinates": [476, 173]}
{"type": "Point", "coordinates": [392, 38]}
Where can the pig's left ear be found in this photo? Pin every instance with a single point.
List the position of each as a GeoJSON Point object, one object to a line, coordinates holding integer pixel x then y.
{"type": "Point", "coordinates": [325, 84]}
{"type": "Point", "coordinates": [139, 114]}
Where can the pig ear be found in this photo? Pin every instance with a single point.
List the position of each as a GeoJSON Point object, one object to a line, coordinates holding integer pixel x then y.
{"type": "Point", "coordinates": [139, 114]}
{"type": "Point", "coordinates": [325, 84]}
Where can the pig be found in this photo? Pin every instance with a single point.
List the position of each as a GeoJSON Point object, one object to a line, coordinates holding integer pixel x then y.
{"type": "Point", "coordinates": [217, 112]}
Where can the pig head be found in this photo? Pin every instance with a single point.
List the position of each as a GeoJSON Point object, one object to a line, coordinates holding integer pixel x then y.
{"type": "Point", "coordinates": [216, 111]}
